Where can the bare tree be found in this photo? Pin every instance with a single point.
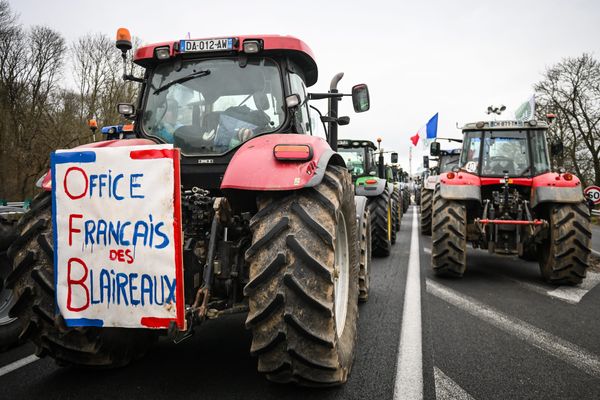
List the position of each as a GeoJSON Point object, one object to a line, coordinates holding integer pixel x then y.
{"type": "Point", "coordinates": [571, 89]}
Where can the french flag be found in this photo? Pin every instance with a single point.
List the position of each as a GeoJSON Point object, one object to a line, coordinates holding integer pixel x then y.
{"type": "Point", "coordinates": [428, 131]}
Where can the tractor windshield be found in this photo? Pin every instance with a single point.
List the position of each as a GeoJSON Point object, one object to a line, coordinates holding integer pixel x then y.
{"type": "Point", "coordinates": [355, 160]}
{"type": "Point", "coordinates": [496, 153]}
{"type": "Point", "coordinates": [209, 106]}
{"type": "Point", "coordinates": [448, 162]}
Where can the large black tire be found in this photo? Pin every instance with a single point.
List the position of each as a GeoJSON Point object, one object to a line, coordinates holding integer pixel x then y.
{"type": "Point", "coordinates": [417, 196]}
{"type": "Point", "coordinates": [405, 200]}
{"type": "Point", "coordinates": [449, 237]}
{"type": "Point", "coordinates": [397, 197]}
{"type": "Point", "coordinates": [564, 255]}
{"type": "Point", "coordinates": [395, 219]}
{"type": "Point", "coordinates": [381, 224]}
{"type": "Point", "coordinates": [32, 280]}
{"type": "Point", "coordinates": [10, 328]}
{"type": "Point", "coordinates": [426, 210]}
{"type": "Point", "coordinates": [364, 272]}
{"type": "Point", "coordinates": [295, 242]}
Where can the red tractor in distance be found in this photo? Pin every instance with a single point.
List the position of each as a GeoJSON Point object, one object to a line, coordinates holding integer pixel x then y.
{"type": "Point", "coordinates": [503, 197]}
{"type": "Point", "coordinates": [270, 223]}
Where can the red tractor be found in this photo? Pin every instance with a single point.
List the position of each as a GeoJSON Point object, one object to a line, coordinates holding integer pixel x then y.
{"type": "Point", "coordinates": [270, 223]}
{"type": "Point", "coordinates": [503, 197]}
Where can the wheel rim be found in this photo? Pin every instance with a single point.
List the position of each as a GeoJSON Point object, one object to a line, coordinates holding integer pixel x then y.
{"type": "Point", "coordinates": [341, 280]}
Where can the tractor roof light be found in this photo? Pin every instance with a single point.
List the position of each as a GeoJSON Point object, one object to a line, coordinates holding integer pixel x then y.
{"type": "Point", "coordinates": [480, 124]}
{"type": "Point", "coordinates": [533, 122]}
{"type": "Point", "coordinates": [162, 53]}
{"type": "Point", "coordinates": [371, 181]}
{"type": "Point", "coordinates": [293, 152]}
{"type": "Point", "coordinates": [251, 46]}
{"type": "Point", "coordinates": [123, 40]}
{"type": "Point", "coordinates": [568, 176]}
{"type": "Point", "coordinates": [450, 175]}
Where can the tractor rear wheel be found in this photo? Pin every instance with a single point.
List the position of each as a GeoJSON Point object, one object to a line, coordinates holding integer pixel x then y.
{"type": "Point", "coordinates": [32, 282]}
{"type": "Point", "coordinates": [449, 237]}
{"type": "Point", "coordinates": [381, 224]}
{"type": "Point", "coordinates": [364, 274]}
{"type": "Point", "coordinates": [303, 288]}
{"type": "Point", "coordinates": [426, 209]}
{"type": "Point", "coordinates": [564, 255]}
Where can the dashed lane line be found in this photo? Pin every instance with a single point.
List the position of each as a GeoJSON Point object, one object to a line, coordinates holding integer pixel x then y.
{"type": "Point", "coordinates": [551, 344]}
{"type": "Point", "coordinates": [447, 389]}
{"type": "Point", "coordinates": [409, 367]}
{"type": "Point", "coordinates": [18, 364]}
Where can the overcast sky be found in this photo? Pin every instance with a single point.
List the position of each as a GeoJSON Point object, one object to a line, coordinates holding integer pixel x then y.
{"type": "Point", "coordinates": [418, 57]}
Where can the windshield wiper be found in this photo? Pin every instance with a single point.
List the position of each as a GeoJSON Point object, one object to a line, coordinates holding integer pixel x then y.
{"type": "Point", "coordinates": [186, 78]}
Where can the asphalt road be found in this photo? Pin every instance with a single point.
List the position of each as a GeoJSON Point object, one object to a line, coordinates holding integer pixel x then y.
{"type": "Point", "coordinates": [498, 333]}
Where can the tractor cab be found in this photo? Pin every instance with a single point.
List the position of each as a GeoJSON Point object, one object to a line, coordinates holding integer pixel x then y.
{"type": "Point", "coordinates": [500, 148]}
{"type": "Point", "coordinates": [359, 157]}
{"type": "Point", "coordinates": [208, 97]}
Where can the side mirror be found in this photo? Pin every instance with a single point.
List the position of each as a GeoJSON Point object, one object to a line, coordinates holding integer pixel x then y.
{"type": "Point", "coordinates": [343, 120]}
{"type": "Point", "coordinates": [434, 149]}
{"type": "Point", "coordinates": [394, 157]}
{"type": "Point", "coordinates": [426, 162]}
{"type": "Point", "coordinates": [556, 148]}
{"type": "Point", "coordinates": [360, 98]}
{"type": "Point", "coordinates": [126, 109]}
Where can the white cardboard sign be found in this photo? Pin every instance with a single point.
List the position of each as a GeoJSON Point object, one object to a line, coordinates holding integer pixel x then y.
{"type": "Point", "coordinates": [117, 236]}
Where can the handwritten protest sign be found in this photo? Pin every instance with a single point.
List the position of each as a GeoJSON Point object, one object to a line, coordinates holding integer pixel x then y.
{"type": "Point", "coordinates": [117, 236]}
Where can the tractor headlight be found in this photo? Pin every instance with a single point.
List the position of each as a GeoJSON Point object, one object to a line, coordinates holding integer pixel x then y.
{"type": "Point", "coordinates": [251, 46]}
{"type": "Point", "coordinates": [162, 53]}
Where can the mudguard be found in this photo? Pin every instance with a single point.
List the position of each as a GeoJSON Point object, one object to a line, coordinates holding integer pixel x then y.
{"type": "Point", "coordinates": [254, 167]}
{"type": "Point", "coordinates": [361, 204]}
{"type": "Point", "coordinates": [369, 190]}
{"type": "Point", "coordinates": [46, 180]}
{"type": "Point", "coordinates": [463, 186]}
{"type": "Point", "coordinates": [553, 188]}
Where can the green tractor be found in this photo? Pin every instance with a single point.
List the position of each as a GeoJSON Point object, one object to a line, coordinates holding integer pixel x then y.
{"type": "Point", "coordinates": [384, 199]}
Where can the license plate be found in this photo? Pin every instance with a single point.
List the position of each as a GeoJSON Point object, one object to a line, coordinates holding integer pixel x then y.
{"type": "Point", "coordinates": [206, 45]}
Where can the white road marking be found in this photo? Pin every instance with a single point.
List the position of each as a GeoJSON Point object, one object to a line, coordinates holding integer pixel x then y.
{"type": "Point", "coordinates": [569, 294]}
{"type": "Point", "coordinates": [553, 345]}
{"type": "Point", "coordinates": [427, 250]}
{"type": "Point", "coordinates": [596, 253]}
{"type": "Point", "coordinates": [409, 367]}
{"type": "Point", "coordinates": [18, 364]}
{"type": "Point", "coordinates": [447, 389]}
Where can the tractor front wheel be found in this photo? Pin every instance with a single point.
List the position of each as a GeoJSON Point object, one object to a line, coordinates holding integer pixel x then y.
{"type": "Point", "coordinates": [10, 328]}
{"type": "Point", "coordinates": [397, 197]}
{"type": "Point", "coordinates": [426, 210]}
{"type": "Point", "coordinates": [303, 287]}
{"type": "Point", "coordinates": [564, 255]}
{"type": "Point", "coordinates": [364, 277]}
{"type": "Point", "coordinates": [381, 223]}
{"type": "Point", "coordinates": [449, 237]}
